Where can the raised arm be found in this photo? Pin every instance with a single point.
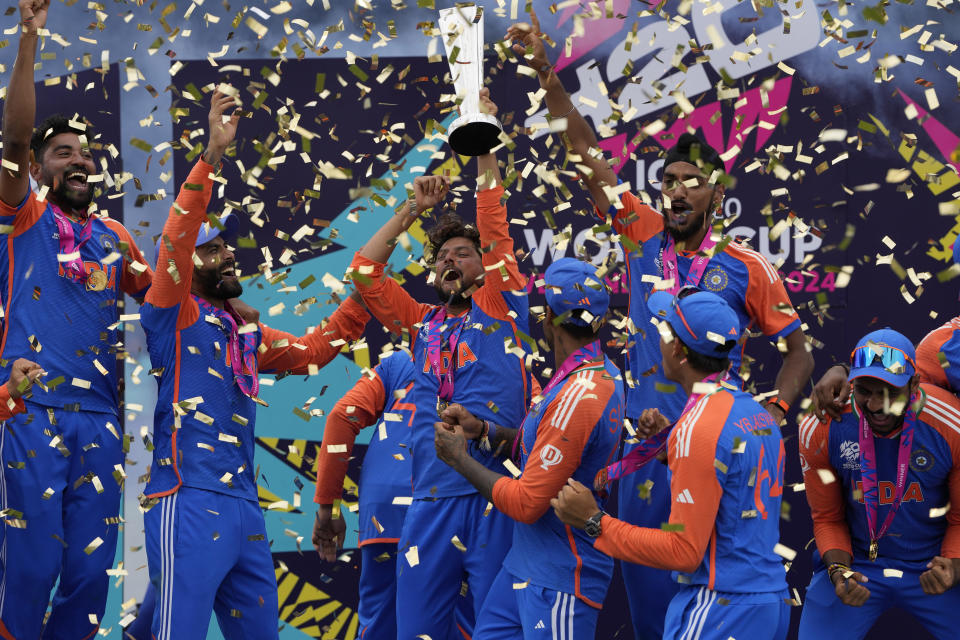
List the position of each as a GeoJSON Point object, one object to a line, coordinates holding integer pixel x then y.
{"type": "Point", "coordinates": [20, 107]}
{"type": "Point", "coordinates": [499, 261]}
{"type": "Point", "coordinates": [389, 302]}
{"type": "Point", "coordinates": [171, 283]}
{"type": "Point", "coordinates": [281, 351]}
{"type": "Point", "coordinates": [594, 168]}
{"type": "Point", "coordinates": [428, 191]}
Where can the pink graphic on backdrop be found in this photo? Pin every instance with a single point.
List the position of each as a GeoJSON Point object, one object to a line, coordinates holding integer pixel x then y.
{"type": "Point", "coordinates": [945, 140]}
{"type": "Point", "coordinates": [751, 113]}
{"type": "Point", "coordinates": [595, 31]}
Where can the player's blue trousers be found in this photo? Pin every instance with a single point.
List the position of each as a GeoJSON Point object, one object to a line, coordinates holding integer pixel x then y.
{"type": "Point", "coordinates": [60, 493]}
{"type": "Point", "coordinates": [649, 590]}
{"type": "Point", "coordinates": [209, 553]}
{"type": "Point", "coordinates": [699, 613]}
{"type": "Point", "coordinates": [533, 613]}
{"type": "Point", "coordinates": [825, 617]}
{"type": "Point", "coordinates": [428, 590]}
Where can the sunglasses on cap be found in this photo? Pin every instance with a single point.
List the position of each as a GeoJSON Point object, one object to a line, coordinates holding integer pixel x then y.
{"type": "Point", "coordinates": [892, 359]}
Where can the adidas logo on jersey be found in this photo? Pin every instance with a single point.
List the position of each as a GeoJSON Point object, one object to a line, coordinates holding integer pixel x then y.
{"type": "Point", "coordinates": [685, 497]}
{"type": "Point", "coordinates": [540, 625]}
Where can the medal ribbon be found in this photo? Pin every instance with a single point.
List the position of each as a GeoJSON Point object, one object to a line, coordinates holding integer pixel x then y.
{"type": "Point", "coordinates": [68, 243]}
{"type": "Point", "coordinates": [435, 340]}
{"type": "Point", "coordinates": [868, 471]}
{"type": "Point", "coordinates": [588, 353]}
{"type": "Point", "coordinates": [697, 268]}
{"type": "Point", "coordinates": [651, 447]}
{"type": "Point", "coordinates": [243, 348]}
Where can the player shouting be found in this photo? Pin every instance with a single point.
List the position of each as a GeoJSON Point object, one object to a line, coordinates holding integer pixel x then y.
{"type": "Point", "coordinates": [65, 271]}
{"type": "Point", "coordinates": [206, 538]}
{"type": "Point", "coordinates": [467, 351]}
{"type": "Point", "coordinates": [677, 247]}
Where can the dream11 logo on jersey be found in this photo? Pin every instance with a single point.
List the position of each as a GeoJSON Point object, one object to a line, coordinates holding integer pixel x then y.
{"type": "Point", "coordinates": [658, 84]}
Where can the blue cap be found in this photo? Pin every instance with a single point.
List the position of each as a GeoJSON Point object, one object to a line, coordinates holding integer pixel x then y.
{"type": "Point", "coordinates": [702, 320]}
{"type": "Point", "coordinates": [573, 286]}
{"type": "Point", "coordinates": [885, 354]}
{"type": "Point", "coordinates": [208, 232]}
{"type": "Point", "coordinates": [956, 250]}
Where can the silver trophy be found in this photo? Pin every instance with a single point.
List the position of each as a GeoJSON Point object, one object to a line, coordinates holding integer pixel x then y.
{"type": "Point", "coordinates": [474, 133]}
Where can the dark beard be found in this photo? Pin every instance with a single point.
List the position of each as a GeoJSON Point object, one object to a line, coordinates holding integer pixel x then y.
{"type": "Point", "coordinates": [680, 235]}
{"type": "Point", "coordinates": [65, 198]}
{"type": "Point", "coordinates": [214, 287]}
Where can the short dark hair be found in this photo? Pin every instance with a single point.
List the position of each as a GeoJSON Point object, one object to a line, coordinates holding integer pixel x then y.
{"type": "Point", "coordinates": [450, 225]}
{"type": "Point", "coordinates": [55, 125]}
{"type": "Point", "coordinates": [708, 364]}
{"type": "Point", "coordinates": [580, 331]}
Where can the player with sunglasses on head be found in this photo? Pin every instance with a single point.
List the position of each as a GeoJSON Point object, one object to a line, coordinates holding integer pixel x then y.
{"type": "Point", "coordinates": [726, 458]}
{"type": "Point", "coordinates": [938, 362]}
{"type": "Point", "coordinates": [678, 247]}
{"type": "Point", "coordinates": [880, 480]}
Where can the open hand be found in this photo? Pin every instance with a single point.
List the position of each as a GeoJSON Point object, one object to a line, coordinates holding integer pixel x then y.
{"type": "Point", "coordinates": [528, 45]}
{"type": "Point", "coordinates": [223, 128]}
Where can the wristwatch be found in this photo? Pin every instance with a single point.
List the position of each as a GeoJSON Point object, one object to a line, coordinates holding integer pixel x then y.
{"type": "Point", "coordinates": [592, 527]}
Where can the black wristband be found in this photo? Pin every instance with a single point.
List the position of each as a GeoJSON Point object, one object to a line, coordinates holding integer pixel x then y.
{"type": "Point", "coordinates": [837, 363]}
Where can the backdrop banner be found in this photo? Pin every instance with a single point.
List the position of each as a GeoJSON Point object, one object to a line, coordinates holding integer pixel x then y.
{"type": "Point", "coordinates": [845, 162]}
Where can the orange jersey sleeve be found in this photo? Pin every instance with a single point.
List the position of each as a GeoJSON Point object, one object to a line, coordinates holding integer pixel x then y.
{"type": "Point", "coordinates": [636, 222]}
{"type": "Point", "coordinates": [942, 411]}
{"type": "Point", "coordinates": [928, 360]}
{"type": "Point", "coordinates": [388, 302]}
{"type": "Point", "coordinates": [132, 282]}
{"type": "Point", "coordinates": [499, 261]}
{"type": "Point", "coordinates": [8, 406]}
{"type": "Point", "coordinates": [174, 275]}
{"type": "Point", "coordinates": [562, 434]}
{"type": "Point", "coordinates": [25, 215]}
{"type": "Point", "coordinates": [282, 351]}
{"type": "Point", "coordinates": [691, 451]}
{"type": "Point", "coordinates": [767, 301]}
{"type": "Point", "coordinates": [823, 487]}
{"type": "Point", "coordinates": [359, 408]}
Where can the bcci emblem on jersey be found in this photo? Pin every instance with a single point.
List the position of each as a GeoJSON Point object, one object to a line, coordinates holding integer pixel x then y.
{"type": "Point", "coordinates": [850, 454]}
{"type": "Point", "coordinates": [921, 459]}
{"type": "Point", "coordinates": [715, 280]}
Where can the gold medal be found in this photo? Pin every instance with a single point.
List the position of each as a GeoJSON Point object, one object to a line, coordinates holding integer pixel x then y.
{"type": "Point", "coordinates": [441, 407]}
{"type": "Point", "coordinates": [96, 280]}
{"type": "Point", "coordinates": [872, 553]}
